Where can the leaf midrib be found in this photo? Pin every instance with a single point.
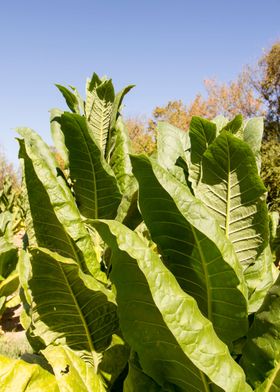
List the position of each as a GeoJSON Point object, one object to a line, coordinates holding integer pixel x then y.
{"type": "Point", "coordinates": [93, 173]}
{"type": "Point", "coordinates": [204, 381]}
{"type": "Point", "coordinates": [88, 335]}
{"type": "Point", "coordinates": [205, 271]}
{"type": "Point", "coordinates": [102, 114]}
{"type": "Point", "coordinates": [29, 146]}
{"type": "Point", "coordinates": [102, 130]}
{"type": "Point", "coordinates": [227, 223]}
{"type": "Point", "coordinates": [271, 380]}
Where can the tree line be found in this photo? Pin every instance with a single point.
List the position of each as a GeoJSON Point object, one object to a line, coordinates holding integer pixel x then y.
{"type": "Point", "coordinates": [255, 92]}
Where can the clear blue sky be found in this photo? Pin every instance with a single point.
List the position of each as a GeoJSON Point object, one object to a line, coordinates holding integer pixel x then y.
{"type": "Point", "coordinates": [166, 48]}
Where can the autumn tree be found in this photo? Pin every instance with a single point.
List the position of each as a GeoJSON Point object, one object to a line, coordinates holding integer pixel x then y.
{"type": "Point", "coordinates": [265, 78]}
{"type": "Point", "coordinates": [141, 136]}
{"type": "Point", "coordinates": [175, 113]}
{"type": "Point", "coordinates": [237, 97]}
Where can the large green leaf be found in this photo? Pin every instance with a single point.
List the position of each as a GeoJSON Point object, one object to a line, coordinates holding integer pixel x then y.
{"type": "Point", "coordinates": [93, 83]}
{"type": "Point", "coordinates": [43, 227]}
{"type": "Point", "coordinates": [118, 137]}
{"type": "Point", "coordinates": [176, 345]}
{"type": "Point", "coordinates": [128, 212]}
{"type": "Point", "coordinates": [114, 362]}
{"type": "Point", "coordinates": [232, 189]}
{"type": "Point", "coordinates": [172, 143]}
{"type": "Point", "coordinates": [202, 133]}
{"type": "Point", "coordinates": [70, 99]}
{"type": "Point", "coordinates": [8, 258]}
{"type": "Point", "coordinates": [137, 380]}
{"type": "Point", "coordinates": [9, 285]}
{"type": "Point", "coordinates": [252, 134]}
{"type": "Point", "coordinates": [71, 372]}
{"type": "Point", "coordinates": [69, 307]}
{"type": "Point", "coordinates": [19, 376]}
{"type": "Point", "coordinates": [24, 271]}
{"type": "Point", "coordinates": [119, 158]}
{"type": "Point", "coordinates": [95, 186]}
{"type": "Point", "coordinates": [234, 125]}
{"type": "Point", "coordinates": [25, 161]}
{"type": "Point", "coordinates": [193, 248]}
{"type": "Point", "coordinates": [261, 354]}
{"type": "Point", "coordinates": [52, 189]}
{"type": "Point", "coordinates": [259, 278]}
{"type": "Point", "coordinates": [58, 137]}
{"type": "Point", "coordinates": [80, 100]}
{"type": "Point", "coordinates": [220, 122]}
{"type": "Point", "coordinates": [98, 109]}
{"type": "Point", "coordinates": [117, 104]}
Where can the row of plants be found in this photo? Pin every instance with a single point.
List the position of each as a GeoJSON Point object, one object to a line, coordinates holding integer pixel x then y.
{"type": "Point", "coordinates": [145, 273]}
{"type": "Point", "coordinates": [11, 224]}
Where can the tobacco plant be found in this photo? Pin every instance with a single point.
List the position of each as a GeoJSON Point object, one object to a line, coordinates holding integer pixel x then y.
{"type": "Point", "coordinates": [11, 222]}
{"type": "Point", "coordinates": [8, 260]}
{"type": "Point", "coordinates": [145, 273]}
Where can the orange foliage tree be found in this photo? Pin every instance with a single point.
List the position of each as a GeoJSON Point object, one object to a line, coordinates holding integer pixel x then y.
{"type": "Point", "coordinates": [237, 97]}
{"type": "Point", "coordinates": [142, 137]}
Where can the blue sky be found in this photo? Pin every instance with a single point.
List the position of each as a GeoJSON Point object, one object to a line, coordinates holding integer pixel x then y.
{"type": "Point", "coordinates": [166, 48]}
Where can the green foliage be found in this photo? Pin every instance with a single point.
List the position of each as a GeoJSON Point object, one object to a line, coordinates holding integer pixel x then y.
{"type": "Point", "coordinates": [145, 273]}
{"type": "Point", "coordinates": [7, 195]}
{"type": "Point", "coordinates": [71, 371]}
{"type": "Point", "coordinates": [275, 235]}
{"type": "Point", "coordinates": [231, 188]}
{"type": "Point", "coordinates": [71, 301]}
{"type": "Point", "coordinates": [187, 238]}
{"type": "Point", "coordinates": [7, 171]}
{"type": "Point", "coordinates": [11, 217]}
{"type": "Point", "coordinates": [270, 172]}
{"type": "Point", "coordinates": [95, 186]}
{"type": "Point", "coordinates": [158, 319]}
{"type": "Point", "coordinates": [11, 200]}
{"type": "Point", "coordinates": [58, 205]}
{"type": "Point", "coordinates": [261, 353]}
{"type": "Point", "coordinates": [193, 250]}
{"type": "Point", "coordinates": [17, 375]}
